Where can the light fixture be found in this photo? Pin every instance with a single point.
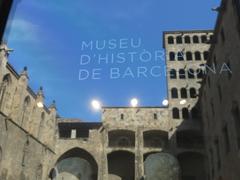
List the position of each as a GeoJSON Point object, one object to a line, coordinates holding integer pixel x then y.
{"type": "Point", "coordinates": [165, 102]}
{"type": "Point", "coordinates": [134, 102]}
{"type": "Point", "coordinates": [40, 104]}
{"type": "Point", "coordinates": [183, 101]}
{"type": "Point", "coordinates": [96, 105]}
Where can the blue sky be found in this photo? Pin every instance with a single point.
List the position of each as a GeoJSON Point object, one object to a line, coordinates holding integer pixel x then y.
{"type": "Point", "coordinates": [47, 36]}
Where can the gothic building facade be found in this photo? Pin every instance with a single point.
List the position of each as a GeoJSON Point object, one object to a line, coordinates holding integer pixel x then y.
{"type": "Point", "coordinates": [199, 127]}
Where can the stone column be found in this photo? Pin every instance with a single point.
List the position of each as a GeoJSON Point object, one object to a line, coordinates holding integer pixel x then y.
{"type": "Point", "coordinates": [139, 166]}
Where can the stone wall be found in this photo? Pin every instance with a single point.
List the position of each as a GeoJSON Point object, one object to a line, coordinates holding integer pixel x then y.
{"type": "Point", "coordinates": [23, 156]}
{"type": "Point", "coordinates": [220, 97]}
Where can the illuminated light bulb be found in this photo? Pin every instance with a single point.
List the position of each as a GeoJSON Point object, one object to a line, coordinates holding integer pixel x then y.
{"type": "Point", "coordinates": [134, 102]}
{"type": "Point", "coordinates": [96, 105]}
{"type": "Point", "coordinates": [184, 101]}
{"type": "Point", "coordinates": [165, 102]}
{"type": "Point", "coordinates": [40, 104]}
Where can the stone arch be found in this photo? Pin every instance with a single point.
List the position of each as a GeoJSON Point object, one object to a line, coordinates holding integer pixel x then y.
{"type": "Point", "coordinates": [75, 164]}
{"type": "Point", "coordinates": [121, 164]}
{"type": "Point", "coordinates": [192, 165]}
{"type": "Point", "coordinates": [155, 138]}
{"type": "Point", "coordinates": [121, 138]}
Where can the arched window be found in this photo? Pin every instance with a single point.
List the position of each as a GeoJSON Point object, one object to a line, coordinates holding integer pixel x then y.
{"type": "Point", "coordinates": [183, 93]}
{"type": "Point", "coordinates": [122, 116]}
{"type": "Point", "coordinates": [172, 56]}
{"type": "Point", "coordinates": [204, 38]}
{"type": "Point", "coordinates": [179, 39]}
{"type": "Point", "coordinates": [205, 55]}
{"type": "Point", "coordinates": [4, 91]}
{"type": "Point", "coordinates": [173, 74]}
{"type": "Point", "coordinates": [193, 93]}
{"type": "Point", "coordinates": [170, 40]}
{"type": "Point", "coordinates": [199, 73]}
{"type": "Point", "coordinates": [195, 113]}
{"type": "Point", "coordinates": [189, 56]}
{"type": "Point", "coordinates": [197, 56]}
{"type": "Point", "coordinates": [191, 74]}
{"type": "Point", "coordinates": [180, 56]}
{"type": "Point", "coordinates": [41, 125]}
{"type": "Point", "coordinates": [195, 39]}
{"type": "Point", "coordinates": [26, 106]}
{"type": "Point", "coordinates": [187, 39]}
{"type": "Point", "coordinates": [174, 93]}
{"type": "Point", "coordinates": [175, 113]}
{"type": "Point", "coordinates": [182, 74]}
{"type": "Point", "coordinates": [185, 113]}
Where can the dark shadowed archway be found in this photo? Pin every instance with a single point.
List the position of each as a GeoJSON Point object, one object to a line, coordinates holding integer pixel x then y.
{"type": "Point", "coordinates": [76, 164]}
{"type": "Point", "coordinates": [122, 164]}
{"type": "Point", "coordinates": [192, 165]}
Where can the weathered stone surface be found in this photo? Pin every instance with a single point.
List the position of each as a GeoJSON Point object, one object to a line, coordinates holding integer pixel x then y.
{"type": "Point", "coordinates": [162, 166]}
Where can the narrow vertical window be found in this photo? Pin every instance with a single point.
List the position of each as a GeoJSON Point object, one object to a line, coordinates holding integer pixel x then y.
{"type": "Point", "coordinates": [195, 39]}
{"type": "Point", "coordinates": [172, 56]}
{"type": "Point", "coordinates": [179, 39]}
{"type": "Point", "coordinates": [189, 56]}
{"type": "Point", "coordinates": [170, 40]}
{"type": "Point", "coordinates": [122, 116]}
{"type": "Point", "coordinates": [174, 93]}
{"type": "Point", "coordinates": [175, 113]}
{"type": "Point", "coordinates": [187, 39]}
{"type": "Point", "coordinates": [197, 56]}
{"type": "Point", "coordinates": [182, 74]}
{"type": "Point", "coordinates": [155, 116]}
{"type": "Point", "coordinates": [173, 74]}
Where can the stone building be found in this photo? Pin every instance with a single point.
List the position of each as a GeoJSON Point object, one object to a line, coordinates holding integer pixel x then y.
{"type": "Point", "coordinates": [117, 147]}
{"type": "Point", "coordinates": [37, 144]}
{"type": "Point", "coordinates": [220, 96]}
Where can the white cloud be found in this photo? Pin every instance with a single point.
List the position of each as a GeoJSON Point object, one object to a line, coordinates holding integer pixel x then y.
{"type": "Point", "coordinates": [22, 30]}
